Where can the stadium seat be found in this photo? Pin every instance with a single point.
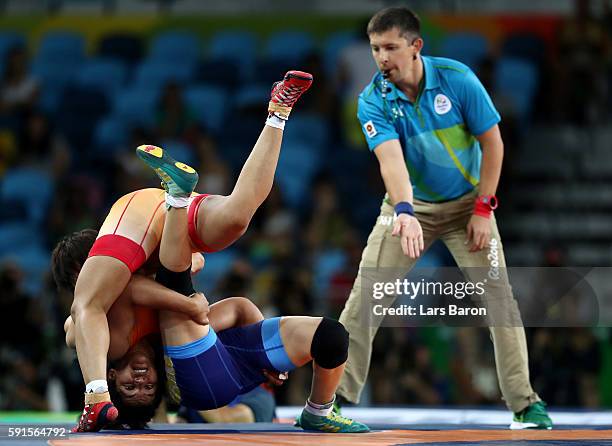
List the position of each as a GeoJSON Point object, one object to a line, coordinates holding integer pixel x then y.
{"type": "Point", "coordinates": [32, 187]}
{"type": "Point", "coordinates": [9, 40]}
{"type": "Point", "coordinates": [107, 75]}
{"type": "Point", "coordinates": [326, 264]}
{"type": "Point", "coordinates": [309, 129]}
{"type": "Point", "coordinates": [180, 151]}
{"type": "Point", "coordinates": [296, 168]}
{"type": "Point", "coordinates": [290, 46]}
{"type": "Point", "coordinates": [54, 77]}
{"type": "Point", "coordinates": [517, 81]}
{"type": "Point", "coordinates": [156, 74]}
{"type": "Point", "coordinates": [35, 263]}
{"type": "Point", "coordinates": [15, 236]}
{"type": "Point", "coordinates": [218, 264]}
{"type": "Point", "coordinates": [239, 47]}
{"type": "Point", "coordinates": [469, 48]}
{"type": "Point", "coordinates": [252, 95]}
{"type": "Point", "coordinates": [110, 134]}
{"type": "Point", "coordinates": [526, 46]}
{"type": "Point", "coordinates": [127, 48]}
{"type": "Point", "coordinates": [210, 105]}
{"type": "Point", "coordinates": [61, 45]}
{"type": "Point", "coordinates": [180, 47]}
{"type": "Point", "coordinates": [136, 106]}
{"type": "Point", "coordinates": [78, 113]}
{"type": "Point", "coordinates": [332, 49]}
{"type": "Point", "coordinates": [221, 72]}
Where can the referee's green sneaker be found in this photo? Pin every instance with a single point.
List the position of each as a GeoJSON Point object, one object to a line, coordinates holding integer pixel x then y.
{"type": "Point", "coordinates": [178, 178]}
{"type": "Point", "coordinates": [534, 416]}
{"type": "Point", "coordinates": [331, 423]}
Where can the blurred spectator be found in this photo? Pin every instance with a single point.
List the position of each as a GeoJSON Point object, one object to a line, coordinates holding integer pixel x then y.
{"type": "Point", "coordinates": [19, 89]}
{"type": "Point", "coordinates": [174, 120]}
{"type": "Point", "coordinates": [582, 82]}
{"type": "Point", "coordinates": [408, 361]}
{"type": "Point", "coordinates": [214, 172]}
{"type": "Point", "coordinates": [565, 364]}
{"type": "Point", "coordinates": [327, 227]}
{"type": "Point", "coordinates": [22, 353]}
{"type": "Point", "coordinates": [356, 68]}
{"type": "Point", "coordinates": [40, 146]}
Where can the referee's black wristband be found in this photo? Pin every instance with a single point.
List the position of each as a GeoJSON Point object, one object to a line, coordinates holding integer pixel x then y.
{"type": "Point", "coordinates": [403, 207]}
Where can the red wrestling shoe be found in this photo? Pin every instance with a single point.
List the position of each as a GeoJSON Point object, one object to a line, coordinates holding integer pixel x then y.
{"type": "Point", "coordinates": [286, 92]}
{"type": "Point", "coordinates": [98, 413]}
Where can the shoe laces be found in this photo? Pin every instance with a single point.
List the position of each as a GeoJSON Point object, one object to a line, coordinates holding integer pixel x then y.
{"type": "Point", "coordinates": [290, 94]}
{"type": "Point", "coordinates": [339, 419]}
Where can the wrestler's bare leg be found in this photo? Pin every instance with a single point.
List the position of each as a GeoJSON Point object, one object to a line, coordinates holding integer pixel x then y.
{"type": "Point", "coordinates": [297, 333]}
{"type": "Point", "coordinates": [222, 220]}
{"type": "Point", "coordinates": [101, 281]}
{"type": "Point", "coordinates": [175, 255]}
{"type": "Point", "coordinates": [136, 217]}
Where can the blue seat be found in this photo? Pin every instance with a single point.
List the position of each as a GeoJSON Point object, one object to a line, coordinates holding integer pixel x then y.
{"type": "Point", "coordinates": [54, 78]}
{"type": "Point", "coordinates": [32, 187]}
{"type": "Point", "coordinates": [136, 106]}
{"type": "Point", "coordinates": [270, 70]}
{"type": "Point", "coordinates": [252, 95]}
{"type": "Point", "coordinates": [156, 74]}
{"type": "Point", "coordinates": [15, 236]}
{"type": "Point", "coordinates": [517, 80]}
{"type": "Point", "coordinates": [524, 46]}
{"type": "Point", "coordinates": [309, 129]}
{"type": "Point", "coordinates": [62, 45]}
{"type": "Point", "coordinates": [218, 264]}
{"type": "Point", "coordinates": [469, 48]}
{"type": "Point", "coordinates": [110, 134]}
{"type": "Point", "coordinates": [125, 47]}
{"type": "Point", "coordinates": [326, 264]}
{"type": "Point", "coordinates": [296, 168]}
{"type": "Point", "coordinates": [35, 263]}
{"type": "Point", "coordinates": [291, 46]}
{"type": "Point", "coordinates": [239, 47]}
{"type": "Point", "coordinates": [180, 47]}
{"type": "Point", "coordinates": [180, 151]}
{"type": "Point", "coordinates": [78, 113]}
{"type": "Point", "coordinates": [221, 72]}
{"type": "Point", "coordinates": [9, 40]}
{"type": "Point", "coordinates": [210, 105]}
{"type": "Point", "coordinates": [108, 75]}
{"type": "Point", "coordinates": [332, 49]}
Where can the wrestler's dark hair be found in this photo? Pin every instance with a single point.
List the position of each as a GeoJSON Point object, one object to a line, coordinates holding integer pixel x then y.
{"type": "Point", "coordinates": [402, 18]}
{"type": "Point", "coordinates": [137, 417]}
{"type": "Point", "coordinates": [68, 257]}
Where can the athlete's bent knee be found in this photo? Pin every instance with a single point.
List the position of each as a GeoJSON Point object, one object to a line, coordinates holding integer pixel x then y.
{"type": "Point", "coordinates": [330, 344]}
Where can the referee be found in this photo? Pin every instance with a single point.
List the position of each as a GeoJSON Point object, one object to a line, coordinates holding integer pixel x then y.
{"type": "Point", "coordinates": [434, 130]}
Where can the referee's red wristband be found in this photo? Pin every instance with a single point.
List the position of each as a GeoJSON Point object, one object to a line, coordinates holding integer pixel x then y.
{"type": "Point", "coordinates": [485, 205]}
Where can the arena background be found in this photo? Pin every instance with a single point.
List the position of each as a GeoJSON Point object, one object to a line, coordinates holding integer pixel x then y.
{"type": "Point", "coordinates": [99, 78]}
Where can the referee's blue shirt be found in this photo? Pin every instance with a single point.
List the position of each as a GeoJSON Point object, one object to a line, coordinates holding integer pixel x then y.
{"type": "Point", "coordinates": [436, 131]}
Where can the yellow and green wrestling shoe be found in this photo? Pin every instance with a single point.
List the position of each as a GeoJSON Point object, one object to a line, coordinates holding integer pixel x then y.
{"type": "Point", "coordinates": [534, 416]}
{"type": "Point", "coordinates": [331, 423]}
{"type": "Point", "coordinates": [178, 178]}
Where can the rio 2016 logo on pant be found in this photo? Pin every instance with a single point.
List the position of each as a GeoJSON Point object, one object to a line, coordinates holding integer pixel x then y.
{"type": "Point", "coordinates": [493, 258]}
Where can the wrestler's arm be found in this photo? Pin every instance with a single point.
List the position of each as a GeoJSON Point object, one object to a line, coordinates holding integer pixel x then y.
{"type": "Point", "coordinates": [146, 292]}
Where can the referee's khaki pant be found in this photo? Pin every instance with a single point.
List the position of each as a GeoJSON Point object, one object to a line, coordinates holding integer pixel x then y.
{"type": "Point", "coordinates": [448, 222]}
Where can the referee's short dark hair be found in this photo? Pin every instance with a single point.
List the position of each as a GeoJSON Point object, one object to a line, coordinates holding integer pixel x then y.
{"type": "Point", "coordinates": [402, 18]}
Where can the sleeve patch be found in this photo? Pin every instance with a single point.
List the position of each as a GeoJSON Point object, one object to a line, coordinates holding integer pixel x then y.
{"type": "Point", "coordinates": [370, 129]}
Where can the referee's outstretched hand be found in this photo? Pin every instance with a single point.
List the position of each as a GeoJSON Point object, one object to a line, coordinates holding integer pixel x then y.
{"type": "Point", "coordinates": [409, 230]}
